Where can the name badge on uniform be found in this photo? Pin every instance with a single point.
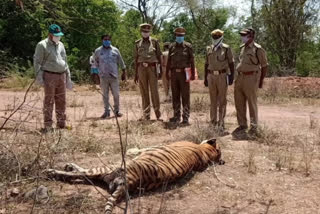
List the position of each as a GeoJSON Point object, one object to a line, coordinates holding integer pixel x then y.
{"type": "Point", "coordinates": [216, 73]}
{"type": "Point", "coordinates": [144, 64]}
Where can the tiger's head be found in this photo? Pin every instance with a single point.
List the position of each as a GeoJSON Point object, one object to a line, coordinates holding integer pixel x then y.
{"type": "Point", "coordinates": [212, 150]}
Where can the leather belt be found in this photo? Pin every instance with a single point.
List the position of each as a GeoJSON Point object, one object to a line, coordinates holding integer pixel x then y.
{"type": "Point", "coordinates": [247, 72]}
{"type": "Point", "coordinates": [218, 72]}
{"type": "Point", "coordinates": [51, 72]}
{"type": "Point", "coordinates": [178, 69]}
{"type": "Point", "coordinates": [147, 64]}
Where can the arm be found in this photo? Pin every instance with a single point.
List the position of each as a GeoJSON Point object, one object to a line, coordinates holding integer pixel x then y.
{"type": "Point", "coordinates": [264, 65]}
{"type": "Point", "coordinates": [168, 66]}
{"type": "Point", "coordinates": [136, 76]}
{"type": "Point", "coordinates": [231, 66]}
{"type": "Point", "coordinates": [69, 83]}
{"type": "Point", "coordinates": [37, 63]}
{"type": "Point", "coordinates": [159, 57]}
{"type": "Point", "coordinates": [206, 72]}
{"type": "Point", "coordinates": [122, 65]}
{"type": "Point", "coordinates": [192, 64]}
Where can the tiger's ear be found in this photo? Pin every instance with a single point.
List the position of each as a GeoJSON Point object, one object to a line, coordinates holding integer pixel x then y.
{"type": "Point", "coordinates": [211, 142]}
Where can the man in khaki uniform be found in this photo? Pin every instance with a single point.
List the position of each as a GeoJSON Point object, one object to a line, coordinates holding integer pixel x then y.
{"type": "Point", "coordinates": [219, 60]}
{"type": "Point", "coordinates": [147, 56]}
{"type": "Point", "coordinates": [251, 70]}
{"type": "Point", "coordinates": [165, 81]}
{"type": "Point", "coordinates": [180, 58]}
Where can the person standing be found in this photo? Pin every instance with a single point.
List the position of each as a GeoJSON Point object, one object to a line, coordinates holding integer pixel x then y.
{"type": "Point", "coordinates": [180, 58]}
{"type": "Point", "coordinates": [107, 59]}
{"type": "Point", "coordinates": [52, 71]}
{"type": "Point", "coordinates": [165, 81]}
{"type": "Point", "coordinates": [147, 56]}
{"type": "Point", "coordinates": [219, 60]}
{"type": "Point", "coordinates": [251, 69]}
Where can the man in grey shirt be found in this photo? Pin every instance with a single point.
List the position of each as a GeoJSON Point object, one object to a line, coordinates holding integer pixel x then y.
{"type": "Point", "coordinates": [52, 71]}
{"type": "Point", "coordinates": [107, 59]}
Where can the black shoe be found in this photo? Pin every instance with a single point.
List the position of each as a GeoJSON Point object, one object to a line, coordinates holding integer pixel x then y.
{"type": "Point", "coordinates": [144, 118]}
{"type": "Point", "coordinates": [105, 115]}
{"type": "Point", "coordinates": [184, 122]}
{"type": "Point", "coordinates": [46, 130]}
{"type": "Point", "coordinates": [174, 120]}
{"type": "Point", "coordinates": [118, 114]}
{"type": "Point", "coordinates": [239, 129]}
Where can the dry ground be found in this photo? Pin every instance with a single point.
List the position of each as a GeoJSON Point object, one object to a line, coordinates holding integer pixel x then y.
{"type": "Point", "coordinates": [277, 173]}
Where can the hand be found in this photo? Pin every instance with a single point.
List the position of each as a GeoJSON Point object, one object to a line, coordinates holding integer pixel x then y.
{"type": "Point", "coordinates": [230, 78]}
{"type": "Point", "coordinates": [205, 83]}
{"type": "Point", "coordinates": [260, 83]}
{"type": "Point", "coordinates": [123, 76]}
{"type": "Point", "coordinates": [136, 79]}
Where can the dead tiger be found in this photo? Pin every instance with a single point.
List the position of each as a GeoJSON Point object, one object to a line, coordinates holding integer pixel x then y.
{"type": "Point", "coordinates": [151, 169]}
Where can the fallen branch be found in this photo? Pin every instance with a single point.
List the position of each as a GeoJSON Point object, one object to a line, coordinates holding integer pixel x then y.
{"type": "Point", "coordinates": [221, 181]}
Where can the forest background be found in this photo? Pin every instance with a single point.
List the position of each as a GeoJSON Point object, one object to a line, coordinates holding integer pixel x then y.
{"type": "Point", "coordinates": [287, 29]}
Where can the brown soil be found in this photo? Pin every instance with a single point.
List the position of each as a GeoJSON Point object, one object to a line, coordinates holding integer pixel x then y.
{"type": "Point", "coordinates": [269, 175]}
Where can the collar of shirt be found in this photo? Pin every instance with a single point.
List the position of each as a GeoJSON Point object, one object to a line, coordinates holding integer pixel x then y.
{"type": "Point", "coordinates": [250, 45]}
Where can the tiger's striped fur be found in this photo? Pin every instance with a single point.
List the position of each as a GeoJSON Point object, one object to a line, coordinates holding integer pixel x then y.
{"type": "Point", "coordinates": [149, 170]}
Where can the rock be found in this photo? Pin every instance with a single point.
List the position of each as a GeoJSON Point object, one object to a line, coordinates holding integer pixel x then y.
{"type": "Point", "coordinates": [14, 192]}
{"type": "Point", "coordinates": [40, 194]}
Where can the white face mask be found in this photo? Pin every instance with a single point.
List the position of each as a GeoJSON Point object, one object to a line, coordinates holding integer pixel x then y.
{"type": "Point", "coordinates": [245, 39]}
{"type": "Point", "coordinates": [56, 39]}
{"type": "Point", "coordinates": [217, 41]}
{"type": "Point", "coordinates": [145, 34]}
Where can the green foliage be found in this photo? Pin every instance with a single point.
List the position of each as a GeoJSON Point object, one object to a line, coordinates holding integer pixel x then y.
{"type": "Point", "coordinates": [125, 36]}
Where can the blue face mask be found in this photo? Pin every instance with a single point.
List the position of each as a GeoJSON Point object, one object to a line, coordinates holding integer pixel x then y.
{"type": "Point", "coordinates": [106, 43]}
{"type": "Point", "coordinates": [179, 39]}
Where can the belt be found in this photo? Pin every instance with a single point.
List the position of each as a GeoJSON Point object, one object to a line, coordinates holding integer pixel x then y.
{"type": "Point", "coordinates": [50, 72]}
{"type": "Point", "coordinates": [178, 69]}
{"type": "Point", "coordinates": [217, 72]}
{"type": "Point", "coordinates": [147, 64]}
{"type": "Point", "coordinates": [248, 72]}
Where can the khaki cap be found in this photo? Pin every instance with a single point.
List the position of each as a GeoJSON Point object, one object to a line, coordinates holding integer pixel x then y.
{"type": "Point", "coordinates": [217, 32]}
{"type": "Point", "coordinates": [180, 31]}
{"type": "Point", "coordinates": [246, 31]}
{"type": "Point", "coordinates": [145, 27]}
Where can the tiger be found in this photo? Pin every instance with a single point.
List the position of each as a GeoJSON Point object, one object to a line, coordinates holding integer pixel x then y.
{"type": "Point", "coordinates": [151, 169]}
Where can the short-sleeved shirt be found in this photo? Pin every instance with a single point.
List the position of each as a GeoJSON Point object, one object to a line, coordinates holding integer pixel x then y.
{"type": "Point", "coordinates": [147, 50]}
{"type": "Point", "coordinates": [220, 58]}
{"type": "Point", "coordinates": [180, 55]}
{"type": "Point", "coordinates": [252, 58]}
{"type": "Point", "coordinates": [107, 61]}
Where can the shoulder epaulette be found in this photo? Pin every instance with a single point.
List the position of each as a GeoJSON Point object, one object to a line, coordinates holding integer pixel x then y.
{"type": "Point", "coordinates": [225, 45]}
{"type": "Point", "coordinates": [241, 46]}
{"type": "Point", "coordinates": [137, 40]}
{"type": "Point", "coordinates": [257, 45]}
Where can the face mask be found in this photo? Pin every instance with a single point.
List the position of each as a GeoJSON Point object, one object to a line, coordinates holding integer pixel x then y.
{"type": "Point", "coordinates": [56, 39]}
{"type": "Point", "coordinates": [217, 41]}
{"type": "Point", "coordinates": [245, 39]}
{"type": "Point", "coordinates": [145, 34]}
{"type": "Point", "coordinates": [106, 43]}
{"type": "Point", "coordinates": [179, 39]}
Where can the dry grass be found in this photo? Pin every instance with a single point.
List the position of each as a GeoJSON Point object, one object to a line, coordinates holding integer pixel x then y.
{"type": "Point", "coordinates": [200, 103]}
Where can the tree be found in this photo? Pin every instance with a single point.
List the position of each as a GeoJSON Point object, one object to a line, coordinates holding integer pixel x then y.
{"type": "Point", "coordinates": [287, 22]}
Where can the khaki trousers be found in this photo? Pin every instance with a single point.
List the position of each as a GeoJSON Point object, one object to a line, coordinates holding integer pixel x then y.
{"type": "Point", "coordinates": [54, 93]}
{"type": "Point", "coordinates": [166, 83]}
{"type": "Point", "coordinates": [218, 97]}
{"type": "Point", "coordinates": [148, 79]}
{"type": "Point", "coordinates": [245, 91]}
{"type": "Point", "coordinates": [180, 91]}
